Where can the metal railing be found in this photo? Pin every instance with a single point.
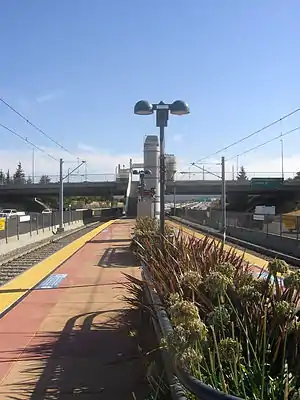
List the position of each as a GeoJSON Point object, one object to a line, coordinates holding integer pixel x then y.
{"type": "Point", "coordinates": [283, 225]}
{"type": "Point", "coordinates": [212, 174]}
{"type": "Point", "coordinates": [73, 178]}
{"type": "Point", "coordinates": [106, 177]}
{"type": "Point", "coordinates": [38, 223]}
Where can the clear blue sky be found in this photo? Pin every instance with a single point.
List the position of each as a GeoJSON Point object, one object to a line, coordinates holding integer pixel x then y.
{"type": "Point", "coordinates": [76, 68]}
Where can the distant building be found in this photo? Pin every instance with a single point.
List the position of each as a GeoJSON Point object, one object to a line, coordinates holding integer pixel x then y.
{"type": "Point", "coordinates": [171, 167]}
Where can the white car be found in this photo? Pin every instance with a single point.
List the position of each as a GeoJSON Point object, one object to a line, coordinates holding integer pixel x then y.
{"type": "Point", "coordinates": [47, 211]}
{"type": "Point", "coordinates": [10, 213]}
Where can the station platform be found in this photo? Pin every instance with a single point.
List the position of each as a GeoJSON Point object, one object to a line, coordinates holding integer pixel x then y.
{"type": "Point", "coordinates": [67, 338]}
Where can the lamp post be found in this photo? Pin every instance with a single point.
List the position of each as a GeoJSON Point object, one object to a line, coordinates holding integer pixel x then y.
{"type": "Point", "coordinates": [162, 110]}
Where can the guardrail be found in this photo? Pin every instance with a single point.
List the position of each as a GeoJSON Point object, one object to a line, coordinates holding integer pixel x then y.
{"type": "Point", "coordinates": [17, 226]}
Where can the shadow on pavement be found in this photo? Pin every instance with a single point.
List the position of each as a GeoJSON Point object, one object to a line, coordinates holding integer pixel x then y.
{"type": "Point", "coordinates": [96, 358]}
{"type": "Point", "coordinates": [117, 257]}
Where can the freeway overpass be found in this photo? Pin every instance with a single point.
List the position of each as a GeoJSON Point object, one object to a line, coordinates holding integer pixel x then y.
{"type": "Point", "coordinates": [214, 187]}
{"type": "Point", "coordinates": [118, 188]}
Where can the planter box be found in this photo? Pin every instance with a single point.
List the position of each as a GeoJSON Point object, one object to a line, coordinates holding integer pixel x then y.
{"type": "Point", "coordinates": [163, 327]}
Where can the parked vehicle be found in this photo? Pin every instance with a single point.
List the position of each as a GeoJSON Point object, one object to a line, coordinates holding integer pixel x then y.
{"type": "Point", "coordinates": [47, 211]}
{"type": "Point", "coordinates": [291, 221]}
{"type": "Point", "coordinates": [11, 213]}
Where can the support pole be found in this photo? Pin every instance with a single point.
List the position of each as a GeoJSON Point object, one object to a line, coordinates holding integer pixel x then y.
{"type": "Point", "coordinates": [223, 199]}
{"type": "Point", "coordinates": [174, 197]}
{"type": "Point", "coordinates": [33, 165]}
{"type": "Point", "coordinates": [61, 196]}
{"type": "Point", "coordinates": [162, 178]}
{"type": "Point", "coordinates": [282, 159]}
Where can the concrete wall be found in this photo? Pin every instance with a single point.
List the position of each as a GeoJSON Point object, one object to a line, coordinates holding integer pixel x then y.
{"type": "Point", "coordinates": [145, 208]}
{"type": "Point", "coordinates": [132, 200]}
{"type": "Point", "coordinates": [281, 244]}
{"type": "Point", "coordinates": [151, 161]}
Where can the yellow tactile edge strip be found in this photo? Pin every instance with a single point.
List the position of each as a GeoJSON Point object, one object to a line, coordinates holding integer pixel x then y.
{"type": "Point", "coordinates": [12, 292]}
{"type": "Point", "coordinates": [252, 259]}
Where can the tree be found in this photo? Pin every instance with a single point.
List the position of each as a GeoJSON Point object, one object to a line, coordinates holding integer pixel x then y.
{"type": "Point", "coordinates": [45, 179]}
{"type": "Point", "coordinates": [297, 177]}
{"type": "Point", "coordinates": [7, 179]}
{"type": "Point", "coordinates": [2, 177]}
{"type": "Point", "coordinates": [242, 176]}
{"type": "Point", "coordinates": [19, 175]}
{"type": "Point", "coordinates": [29, 181]}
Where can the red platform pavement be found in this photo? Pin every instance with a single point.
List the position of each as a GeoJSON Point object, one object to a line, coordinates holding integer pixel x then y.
{"type": "Point", "coordinates": [71, 342]}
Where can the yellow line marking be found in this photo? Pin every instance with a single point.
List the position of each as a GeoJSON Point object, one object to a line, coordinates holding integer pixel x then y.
{"type": "Point", "coordinates": [252, 259]}
{"type": "Point", "coordinates": [14, 290]}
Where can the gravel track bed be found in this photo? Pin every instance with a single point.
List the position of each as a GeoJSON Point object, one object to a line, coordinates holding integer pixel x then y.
{"type": "Point", "coordinates": [27, 258]}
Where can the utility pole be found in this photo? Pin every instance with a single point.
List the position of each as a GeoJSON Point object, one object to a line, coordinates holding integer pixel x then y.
{"type": "Point", "coordinates": [282, 159]}
{"type": "Point", "coordinates": [174, 197]}
{"type": "Point", "coordinates": [85, 172]}
{"type": "Point", "coordinates": [33, 165]}
{"type": "Point", "coordinates": [61, 196]}
{"type": "Point", "coordinates": [61, 191]}
{"type": "Point", "coordinates": [223, 199]}
{"type": "Point", "coordinates": [203, 173]}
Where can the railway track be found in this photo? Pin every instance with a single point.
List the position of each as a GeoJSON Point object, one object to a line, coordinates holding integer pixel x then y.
{"type": "Point", "coordinates": [251, 248]}
{"type": "Point", "coordinates": [19, 263]}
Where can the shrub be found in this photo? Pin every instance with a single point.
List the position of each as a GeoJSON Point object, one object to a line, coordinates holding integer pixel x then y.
{"type": "Point", "coordinates": [236, 333]}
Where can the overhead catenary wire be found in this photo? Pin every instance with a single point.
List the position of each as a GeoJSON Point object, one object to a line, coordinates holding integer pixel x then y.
{"type": "Point", "coordinates": [264, 143]}
{"type": "Point", "coordinates": [249, 136]}
{"type": "Point", "coordinates": [27, 141]}
{"type": "Point", "coordinates": [35, 126]}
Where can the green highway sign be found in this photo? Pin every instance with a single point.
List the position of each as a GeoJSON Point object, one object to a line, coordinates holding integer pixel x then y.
{"type": "Point", "coordinates": [266, 182]}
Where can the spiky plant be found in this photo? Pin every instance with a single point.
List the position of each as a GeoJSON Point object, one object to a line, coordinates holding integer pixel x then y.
{"type": "Point", "coordinates": [236, 333]}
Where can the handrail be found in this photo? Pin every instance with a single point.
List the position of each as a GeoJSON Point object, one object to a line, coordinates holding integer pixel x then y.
{"type": "Point", "coordinates": [128, 192]}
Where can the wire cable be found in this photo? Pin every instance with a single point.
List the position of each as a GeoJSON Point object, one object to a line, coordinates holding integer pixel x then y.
{"type": "Point", "coordinates": [35, 127]}
{"type": "Point", "coordinates": [27, 141]}
{"type": "Point", "coordinates": [263, 144]}
{"type": "Point", "coordinates": [250, 135]}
